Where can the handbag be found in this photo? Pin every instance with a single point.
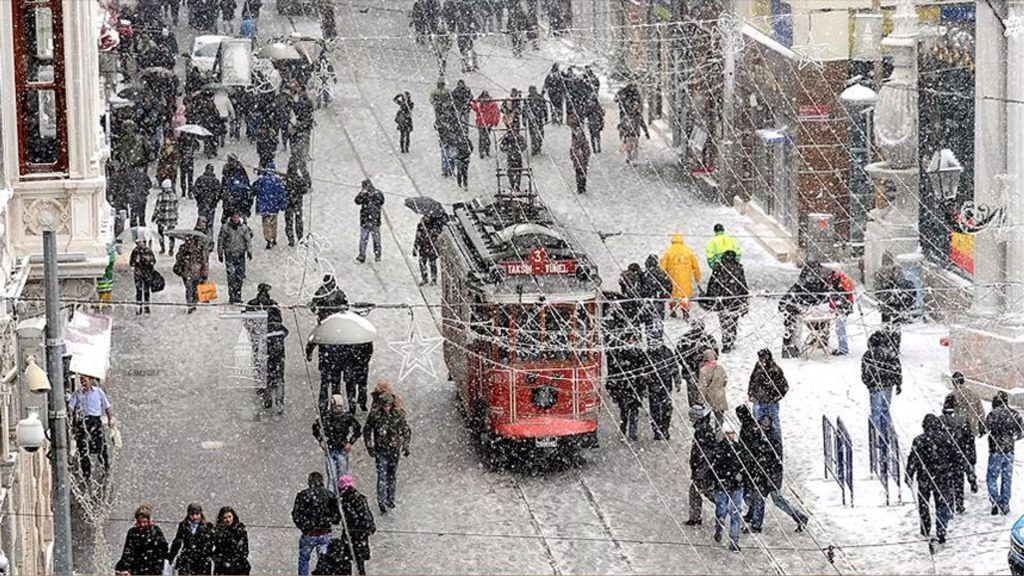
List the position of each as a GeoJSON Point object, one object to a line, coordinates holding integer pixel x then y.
{"type": "Point", "coordinates": [156, 281]}
{"type": "Point", "coordinates": [206, 291]}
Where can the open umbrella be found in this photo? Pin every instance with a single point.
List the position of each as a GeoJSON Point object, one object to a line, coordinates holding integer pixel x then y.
{"type": "Point", "coordinates": [344, 328]}
{"type": "Point", "coordinates": [424, 206]}
{"type": "Point", "coordinates": [195, 129]}
{"type": "Point", "coordinates": [280, 51]}
{"type": "Point", "coordinates": [184, 233]}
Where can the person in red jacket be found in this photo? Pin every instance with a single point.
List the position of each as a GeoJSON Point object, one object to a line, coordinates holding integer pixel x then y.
{"type": "Point", "coordinates": [487, 117]}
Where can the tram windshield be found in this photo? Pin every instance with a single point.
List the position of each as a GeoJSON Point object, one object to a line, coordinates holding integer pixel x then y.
{"type": "Point", "coordinates": [538, 332]}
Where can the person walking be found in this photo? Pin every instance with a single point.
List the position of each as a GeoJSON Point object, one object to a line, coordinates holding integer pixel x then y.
{"type": "Point", "coordinates": [403, 120]}
{"type": "Point", "coordinates": [728, 295]}
{"type": "Point", "coordinates": [168, 162]}
{"type": "Point", "coordinates": [968, 405]}
{"type": "Point", "coordinates": [965, 456]}
{"type": "Point", "coordinates": [271, 198]}
{"type": "Point", "coordinates": [386, 435]}
{"type": "Point", "coordinates": [761, 455]}
{"type": "Point", "coordinates": [681, 264]}
{"type": "Point", "coordinates": [894, 292]}
{"type": "Point", "coordinates": [1005, 428]}
{"type": "Point", "coordinates": [767, 387]}
{"type": "Point", "coordinates": [192, 264]}
{"type": "Point", "coordinates": [192, 548]}
{"type": "Point", "coordinates": [207, 191]}
{"type": "Point", "coordinates": [138, 196]}
{"type": "Point", "coordinates": [655, 289]}
{"type": "Point", "coordinates": [536, 117]}
{"type": "Point", "coordinates": [462, 154]}
{"type": "Point", "coordinates": [729, 478]}
{"type": "Point", "coordinates": [359, 523]}
{"type": "Point", "coordinates": [330, 362]}
{"type": "Point", "coordinates": [881, 372]}
{"type": "Point", "coordinates": [487, 117]}
{"type": "Point", "coordinates": [143, 262]}
{"type": "Point", "coordinates": [371, 206]}
{"type": "Point", "coordinates": [461, 98]}
{"type": "Point", "coordinates": [711, 383]}
{"type": "Point", "coordinates": [165, 214]}
{"type": "Point", "coordinates": [690, 356]}
{"type": "Point", "coordinates": [234, 246]}
{"type": "Point", "coordinates": [595, 122]}
{"type": "Point", "coordinates": [841, 303]}
{"type": "Point", "coordinates": [187, 147]}
{"type": "Point", "coordinates": [579, 152]}
{"type": "Point", "coordinates": [337, 431]}
{"type": "Point", "coordinates": [425, 248]}
{"type": "Point", "coordinates": [145, 547]}
{"type": "Point", "coordinates": [314, 512]}
{"type": "Point", "coordinates": [662, 378]}
{"type": "Point", "coordinates": [624, 383]}
{"type": "Point", "coordinates": [702, 449]}
{"type": "Point", "coordinates": [513, 144]}
{"type": "Point", "coordinates": [230, 544]}
{"type": "Point", "coordinates": [86, 407]}
{"type": "Point", "coordinates": [629, 136]}
{"type": "Point", "coordinates": [932, 463]}
{"type": "Point", "coordinates": [719, 244]}
{"type": "Point", "coordinates": [355, 360]}
{"type": "Point", "coordinates": [554, 89]}
{"type": "Point", "coordinates": [328, 299]}
{"type": "Point", "coordinates": [297, 184]}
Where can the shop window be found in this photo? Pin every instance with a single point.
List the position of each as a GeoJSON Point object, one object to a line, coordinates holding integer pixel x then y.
{"type": "Point", "coordinates": [39, 84]}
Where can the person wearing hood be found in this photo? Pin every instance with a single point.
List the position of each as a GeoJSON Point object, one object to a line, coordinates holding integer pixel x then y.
{"type": "Point", "coordinates": [554, 89]}
{"type": "Point", "coordinates": [933, 463]}
{"type": "Point", "coordinates": [386, 435]}
{"type": "Point", "coordinates": [767, 387]}
{"type": "Point", "coordinates": [165, 214]}
{"type": "Point", "coordinates": [230, 544]}
{"type": "Point", "coordinates": [810, 289]}
{"type": "Point", "coordinates": [192, 548]}
{"type": "Point", "coordinates": [681, 264]}
{"type": "Point", "coordinates": [579, 152]}
{"type": "Point", "coordinates": [894, 292]}
{"type": "Point", "coordinates": [702, 447]}
{"type": "Point", "coordinates": [729, 479]}
{"type": "Point", "coordinates": [536, 117]}
{"type": "Point", "coordinates": [488, 115]}
{"type": "Point", "coordinates": [145, 547]}
{"type": "Point", "coordinates": [655, 289]}
{"type": "Point", "coordinates": [232, 171]}
{"type": "Point", "coordinates": [271, 198]}
{"type": "Point", "coordinates": [208, 192]}
{"type": "Point", "coordinates": [371, 207]}
{"type": "Point", "coordinates": [1005, 428]}
{"type": "Point", "coordinates": [234, 246]}
{"type": "Point", "coordinates": [711, 383]}
{"type": "Point", "coordinates": [143, 262]}
{"type": "Point", "coordinates": [297, 184]}
{"type": "Point", "coordinates": [328, 299]}
{"type": "Point", "coordinates": [662, 378]}
{"type": "Point", "coordinates": [966, 457]}
{"type": "Point", "coordinates": [625, 384]}
{"type": "Point", "coordinates": [690, 355]}
{"type": "Point", "coordinates": [728, 295]}
{"type": "Point", "coordinates": [761, 455]}
{"type": "Point", "coordinates": [461, 98]}
{"type": "Point", "coordinates": [881, 372]}
{"type": "Point", "coordinates": [359, 523]}
{"type": "Point", "coordinates": [314, 512]}
{"type": "Point", "coordinates": [719, 244]}
{"type": "Point", "coordinates": [337, 431]}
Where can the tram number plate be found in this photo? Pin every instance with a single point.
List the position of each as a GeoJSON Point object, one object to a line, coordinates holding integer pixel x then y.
{"type": "Point", "coordinates": [546, 442]}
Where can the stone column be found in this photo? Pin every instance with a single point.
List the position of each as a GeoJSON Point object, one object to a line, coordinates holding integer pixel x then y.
{"type": "Point", "coordinates": [1013, 303]}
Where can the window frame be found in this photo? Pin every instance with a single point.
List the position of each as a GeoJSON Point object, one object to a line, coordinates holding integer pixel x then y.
{"type": "Point", "coordinates": [22, 85]}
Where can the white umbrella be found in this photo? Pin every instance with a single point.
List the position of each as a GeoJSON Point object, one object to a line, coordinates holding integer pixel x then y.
{"type": "Point", "coordinates": [344, 328]}
{"type": "Point", "coordinates": [193, 129]}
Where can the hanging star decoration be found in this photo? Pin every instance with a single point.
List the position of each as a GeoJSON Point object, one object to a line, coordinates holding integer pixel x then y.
{"type": "Point", "coordinates": [415, 353]}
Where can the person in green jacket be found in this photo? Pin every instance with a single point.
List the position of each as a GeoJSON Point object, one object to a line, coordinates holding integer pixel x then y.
{"type": "Point", "coordinates": [720, 244]}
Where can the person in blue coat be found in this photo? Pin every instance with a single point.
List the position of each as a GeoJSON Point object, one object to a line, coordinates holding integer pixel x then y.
{"type": "Point", "coordinates": [271, 198]}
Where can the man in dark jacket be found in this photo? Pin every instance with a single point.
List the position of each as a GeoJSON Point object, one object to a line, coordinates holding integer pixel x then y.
{"type": "Point", "coordinates": [767, 387]}
{"type": "Point", "coordinates": [655, 289]}
{"type": "Point", "coordinates": [881, 371]}
{"type": "Point", "coordinates": [461, 97]}
{"type": "Point", "coordinates": [371, 202]}
{"type": "Point", "coordinates": [207, 191]}
{"type": "Point", "coordinates": [554, 89]}
{"type": "Point", "coordinates": [314, 512]}
{"type": "Point", "coordinates": [933, 464]}
{"type": "Point", "coordinates": [705, 437]}
{"type": "Point", "coordinates": [762, 461]}
{"type": "Point", "coordinates": [328, 299]}
{"type": "Point", "coordinates": [690, 355]}
{"type": "Point", "coordinates": [1005, 428]}
{"type": "Point", "coordinates": [330, 364]}
{"type": "Point", "coordinates": [727, 291]}
{"type": "Point", "coordinates": [358, 521]}
{"type": "Point", "coordinates": [661, 377]}
{"type": "Point", "coordinates": [297, 184]}
{"type": "Point", "coordinates": [625, 384]}
{"type": "Point", "coordinates": [536, 117]}
{"type": "Point", "coordinates": [810, 289]}
{"type": "Point", "coordinates": [729, 477]}
{"type": "Point", "coordinates": [956, 428]}
{"type": "Point", "coordinates": [336, 434]}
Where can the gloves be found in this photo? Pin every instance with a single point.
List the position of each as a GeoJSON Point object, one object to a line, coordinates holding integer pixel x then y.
{"type": "Point", "coordinates": [220, 257]}
{"type": "Point", "coordinates": [405, 452]}
{"type": "Point", "coordinates": [250, 256]}
{"type": "Point", "coordinates": [899, 390]}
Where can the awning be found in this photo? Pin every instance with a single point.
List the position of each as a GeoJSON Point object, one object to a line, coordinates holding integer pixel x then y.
{"type": "Point", "coordinates": [87, 340]}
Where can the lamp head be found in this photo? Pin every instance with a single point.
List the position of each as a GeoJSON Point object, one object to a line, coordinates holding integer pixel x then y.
{"type": "Point", "coordinates": [35, 377]}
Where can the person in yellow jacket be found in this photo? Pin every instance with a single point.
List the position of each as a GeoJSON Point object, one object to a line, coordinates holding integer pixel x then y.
{"type": "Point", "coordinates": [681, 264]}
{"type": "Point", "coordinates": [720, 244]}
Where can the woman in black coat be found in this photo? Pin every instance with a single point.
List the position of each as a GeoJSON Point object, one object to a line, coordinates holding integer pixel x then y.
{"type": "Point", "coordinates": [193, 543]}
{"type": "Point", "coordinates": [230, 544]}
{"type": "Point", "coordinates": [145, 547]}
{"type": "Point", "coordinates": [358, 521]}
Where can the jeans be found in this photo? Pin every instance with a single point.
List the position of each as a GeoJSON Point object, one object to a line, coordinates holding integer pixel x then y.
{"type": "Point", "coordinates": [772, 411]}
{"type": "Point", "coordinates": [447, 161]}
{"type": "Point", "coordinates": [387, 476]}
{"type": "Point", "coordinates": [880, 401]}
{"type": "Point", "coordinates": [729, 503]}
{"type": "Point", "coordinates": [843, 342]}
{"type": "Point", "coordinates": [943, 496]}
{"type": "Point", "coordinates": [1000, 471]}
{"type": "Point", "coordinates": [306, 546]}
{"type": "Point", "coordinates": [186, 171]}
{"type": "Point", "coordinates": [191, 289]}
{"type": "Point", "coordinates": [757, 509]}
{"type": "Point", "coordinates": [142, 291]}
{"type": "Point", "coordinates": [235, 266]}
{"type": "Point", "coordinates": [337, 466]}
{"type": "Point", "coordinates": [208, 213]}
{"type": "Point", "coordinates": [364, 237]}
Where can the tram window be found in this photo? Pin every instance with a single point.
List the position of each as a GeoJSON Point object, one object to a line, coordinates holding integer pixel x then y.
{"type": "Point", "coordinates": [529, 332]}
{"type": "Point", "coordinates": [558, 329]}
{"type": "Point", "coordinates": [502, 333]}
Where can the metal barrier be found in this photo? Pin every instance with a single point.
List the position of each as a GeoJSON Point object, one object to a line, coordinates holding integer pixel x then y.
{"type": "Point", "coordinates": [837, 446]}
{"type": "Point", "coordinates": [885, 459]}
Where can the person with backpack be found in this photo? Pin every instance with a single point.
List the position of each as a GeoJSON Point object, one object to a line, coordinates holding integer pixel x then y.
{"type": "Point", "coordinates": [841, 303]}
{"type": "Point", "coordinates": [690, 355]}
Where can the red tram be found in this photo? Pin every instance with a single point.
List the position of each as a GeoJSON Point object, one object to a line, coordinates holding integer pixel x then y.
{"type": "Point", "coordinates": [520, 309]}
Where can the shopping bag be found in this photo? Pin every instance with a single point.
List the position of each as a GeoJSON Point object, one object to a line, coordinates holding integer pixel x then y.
{"type": "Point", "coordinates": [206, 291]}
{"type": "Point", "coordinates": [156, 281]}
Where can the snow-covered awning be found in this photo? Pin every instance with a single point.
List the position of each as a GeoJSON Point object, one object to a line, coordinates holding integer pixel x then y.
{"type": "Point", "coordinates": [87, 340]}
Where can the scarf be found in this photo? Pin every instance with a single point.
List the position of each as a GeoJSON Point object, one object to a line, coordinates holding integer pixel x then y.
{"type": "Point", "coordinates": [193, 526]}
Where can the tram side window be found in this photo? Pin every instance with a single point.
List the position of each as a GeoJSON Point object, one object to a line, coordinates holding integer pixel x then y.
{"type": "Point", "coordinates": [503, 334]}
{"type": "Point", "coordinates": [558, 329]}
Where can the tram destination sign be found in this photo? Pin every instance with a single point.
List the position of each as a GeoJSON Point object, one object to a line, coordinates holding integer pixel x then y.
{"type": "Point", "coordinates": [537, 264]}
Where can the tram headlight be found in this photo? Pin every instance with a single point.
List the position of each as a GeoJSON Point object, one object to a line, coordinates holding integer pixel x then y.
{"type": "Point", "coordinates": [544, 397]}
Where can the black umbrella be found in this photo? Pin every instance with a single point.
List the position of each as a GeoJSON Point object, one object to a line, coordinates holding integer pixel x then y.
{"type": "Point", "coordinates": [424, 206]}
